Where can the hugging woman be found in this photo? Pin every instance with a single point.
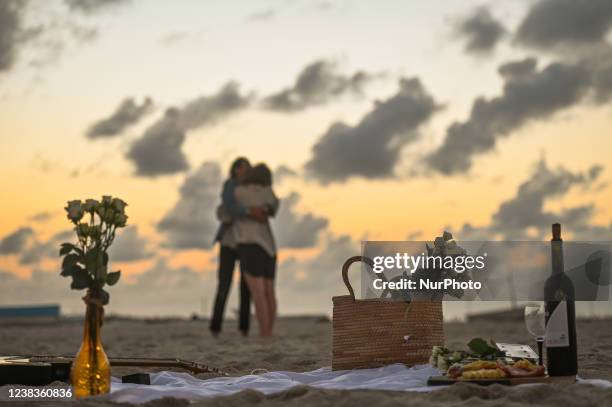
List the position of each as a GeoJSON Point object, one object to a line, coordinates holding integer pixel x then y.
{"type": "Point", "coordinates": [256, 246]}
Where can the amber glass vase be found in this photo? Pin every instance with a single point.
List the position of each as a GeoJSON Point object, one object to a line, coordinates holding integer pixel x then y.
{"type": "Point", "coordinates": [90, 374]}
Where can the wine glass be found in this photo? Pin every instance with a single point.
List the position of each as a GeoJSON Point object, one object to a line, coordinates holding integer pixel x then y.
{"type": "Point", "coordinates": [535, 323]}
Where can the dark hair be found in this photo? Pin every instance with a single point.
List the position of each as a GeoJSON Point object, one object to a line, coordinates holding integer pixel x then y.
{"type": "Point", "coordinates": [236, 164]}
{"type": "Point", "coordinates": [259, 175]}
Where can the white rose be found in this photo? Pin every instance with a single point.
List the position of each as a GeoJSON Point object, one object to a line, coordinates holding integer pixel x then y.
{"type": "Point", "coordinates": [74, 210]}
{"type": "Point", "coordinates": [119, 205]}
{"type": "Point", "coordinates": [442, 364]}
{"type": "Point", "coordinates": [120, 220]}
{"type": "Point", "coordinates": [90, 205]}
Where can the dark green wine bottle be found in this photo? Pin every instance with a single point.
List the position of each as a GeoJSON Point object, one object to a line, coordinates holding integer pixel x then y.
{"type": "Point", "coordinates": [560, 340]}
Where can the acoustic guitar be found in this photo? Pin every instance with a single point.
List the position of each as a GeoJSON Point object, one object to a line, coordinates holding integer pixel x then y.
{"type": "Point", "coordinates": [40, 370]}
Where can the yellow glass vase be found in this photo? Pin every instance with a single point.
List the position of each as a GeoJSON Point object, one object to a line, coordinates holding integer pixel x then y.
{"type": "Point", "coordinates": [90, 374]}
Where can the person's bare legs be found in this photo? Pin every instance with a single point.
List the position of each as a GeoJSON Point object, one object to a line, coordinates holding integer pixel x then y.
{"type": "Point", "coordinates": [270, 296]}
{"type": "Point", "coordinates": [256, 287]}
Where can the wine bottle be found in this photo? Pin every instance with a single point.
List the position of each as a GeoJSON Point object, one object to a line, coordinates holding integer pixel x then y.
{"type": "Point", "coordinates": [560, 339]}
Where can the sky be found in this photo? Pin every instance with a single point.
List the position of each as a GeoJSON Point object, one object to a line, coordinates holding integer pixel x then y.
{"type": "Point", "coordinates": [388, 121]}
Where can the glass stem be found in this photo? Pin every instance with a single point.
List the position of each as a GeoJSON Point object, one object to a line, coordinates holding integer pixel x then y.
{"type": "Point", "coordinates": [540, 342]}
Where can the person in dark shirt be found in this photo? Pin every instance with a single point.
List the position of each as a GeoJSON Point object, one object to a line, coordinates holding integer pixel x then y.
{"type": "Point", "coordinates": [228, 253]}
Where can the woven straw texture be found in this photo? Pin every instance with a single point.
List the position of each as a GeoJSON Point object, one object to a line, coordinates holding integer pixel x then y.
{"type": "Point", "coordinates": [377, 332]}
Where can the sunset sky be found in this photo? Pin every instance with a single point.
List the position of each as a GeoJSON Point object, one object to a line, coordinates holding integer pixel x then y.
{"type": "Point", "coordinates": [386, 120]}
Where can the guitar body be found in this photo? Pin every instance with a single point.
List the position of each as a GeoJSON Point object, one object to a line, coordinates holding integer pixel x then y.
{"type": "Point", "coordinates": [42, 370]}
{"type": "Point", "coordinates": [20, 370]}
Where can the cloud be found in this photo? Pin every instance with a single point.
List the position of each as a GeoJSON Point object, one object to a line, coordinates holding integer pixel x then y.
{"type": "Point", "coordinates": [91, 7]}
{"type": "Point", "coordinates": [15, 241]}
{"type": "Point", "coordinates": [50, 39]}
{"type": "Point", "coordinates": [207, 110]}
{"type": "Point", "coordinates": [528, 95]}
{"type": "Point", "coordinates": [600, 63]}
{"type": "Point", "coordinates": [41, 216]}
{"type": "Point", "coordinates": [481, 31]}
{"type": "Point", "coordinates": [526, 210]}
{"type": "Point", "coordinates": [191, 223]}
{"type": "Point", "coordinates": [42, 288]}
{"type": "Point", "coordinates": [283, 172]}
{"type": "Point", "coordinates": [317, 84]}
{"type": "Point", "coordinates": [11, 12]}
{"type": "Point", "coordinates": [40, 36]}
{"type": "Point", "coordinates": [165, 289]}
{"type": "Point", "coordinates": [82, 33]}
{"type": "Point", "coordinates": [324, 5]}
{"type": "Point", "coordinates": [263, 15]}
{"type": "Point", "coordinates": [517, 70]}
{"type": "Point", "coordinates": [129, 245]}
{"type": "Point", "coordinates": [38, 250]}
{"type": "Point", "coordinates": [159, 150]}
{"type": "Point", "coordinates": [592, 233]}
{"type": "Point", "coordinates": [127, 114]}
{"type": "Point", "coordinates": [317, 277]}
{"type": "Point", "coordinates": [173, 38]}
{"type": "Point", "coordinates": [162, 290]}
{"type": "Point", "coordinates": [371, 148]}
{"type": "Point", "coordinates": [296, 230]}
{"type": "Point", "coordinates": [552, 23]}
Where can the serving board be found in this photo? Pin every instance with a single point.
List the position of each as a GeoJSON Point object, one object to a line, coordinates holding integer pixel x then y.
{"type": "Point", "coordinates": [445, 381]}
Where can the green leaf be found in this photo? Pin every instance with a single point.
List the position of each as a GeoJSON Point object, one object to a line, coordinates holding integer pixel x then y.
{"type": "Point", "coordinates": [67, 272]}
{"type": "Point", "coordinates": [481, 348]}
{"type": "Point", "coordinates": [113, 278]}
{"type": "Point", "coordinates": [90, 259]}
{"type": "Point", "coordinates": [66, 248]}
{"type": "Point", "coordinates": [105, 296]}
{"type": "Point", "coordinates": [81, 279]}
{"type": "Point", "coordinates": [80, 252]}
{"type": "Point", "coordinates": [69, 261]}
{"type": "Point", "coordinates": [94, 260]}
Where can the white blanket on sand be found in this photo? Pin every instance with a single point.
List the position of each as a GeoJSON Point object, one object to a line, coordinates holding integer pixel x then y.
{"type": "Point", "coordinates": [183, 385]}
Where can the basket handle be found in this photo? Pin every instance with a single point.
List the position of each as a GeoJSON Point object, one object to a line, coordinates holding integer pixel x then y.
{"type": "Point", "coordinates": [345, 269]}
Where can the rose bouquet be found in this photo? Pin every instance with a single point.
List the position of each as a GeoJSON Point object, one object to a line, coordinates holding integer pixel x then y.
{"type": "Point", "coordinates": [86, 262]}
{"type": "Point", "coordinates": [444, 247]}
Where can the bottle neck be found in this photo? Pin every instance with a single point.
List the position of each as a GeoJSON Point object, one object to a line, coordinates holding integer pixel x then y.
{"type": "Point", "coordinates": [556, 248]}
{"type": "Point", "coordinates": [93, 321]}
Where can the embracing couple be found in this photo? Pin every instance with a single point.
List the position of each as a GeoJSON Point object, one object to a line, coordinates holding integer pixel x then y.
{"type": "Point", "coordinates": [247, 203]}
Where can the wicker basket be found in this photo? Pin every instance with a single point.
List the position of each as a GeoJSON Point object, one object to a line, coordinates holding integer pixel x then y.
{"type": "Point", "coordinates": [377, 332]}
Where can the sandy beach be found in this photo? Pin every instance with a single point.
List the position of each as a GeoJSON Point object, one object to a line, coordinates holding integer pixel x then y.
{"type": "Point", "coordinates": [304, 344]}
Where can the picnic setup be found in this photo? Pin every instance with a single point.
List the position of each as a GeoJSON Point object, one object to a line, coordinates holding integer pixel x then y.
{"type": "Point", "coordinates": [393, 343]}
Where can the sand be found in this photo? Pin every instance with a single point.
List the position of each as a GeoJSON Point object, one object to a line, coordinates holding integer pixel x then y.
{"type": "Point", "coordinates": [303, 344]}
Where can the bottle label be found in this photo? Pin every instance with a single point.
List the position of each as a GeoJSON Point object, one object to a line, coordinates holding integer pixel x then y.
{"type": "Point", "coordinates": [557, 335]}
